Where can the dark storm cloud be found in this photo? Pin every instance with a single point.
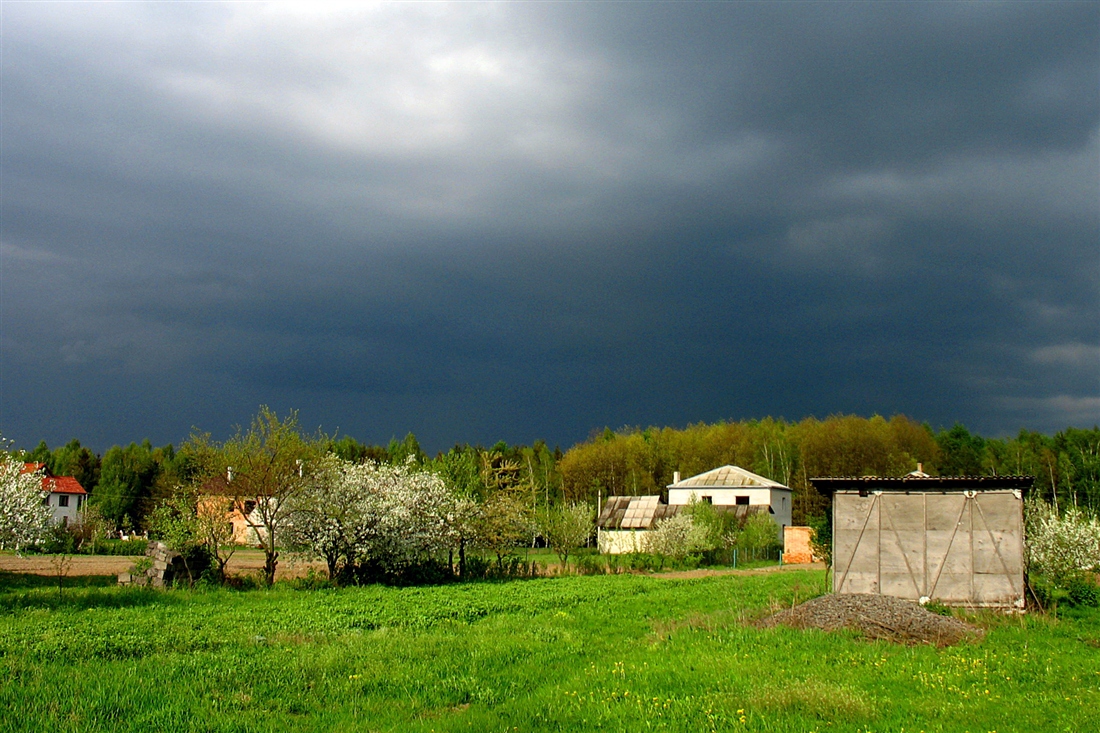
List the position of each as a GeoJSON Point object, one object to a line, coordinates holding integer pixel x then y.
{"type": "Point", "coordinates": [521, 221]}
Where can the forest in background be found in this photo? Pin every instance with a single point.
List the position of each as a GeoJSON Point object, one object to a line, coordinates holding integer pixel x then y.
{"type": "Point", "coordinates": [127, 482]}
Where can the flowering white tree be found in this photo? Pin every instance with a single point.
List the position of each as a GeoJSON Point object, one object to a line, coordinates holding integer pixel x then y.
{"type": "Point", "coordinates": [1061, 546]}
{"type": "Point", "coordinates": [390, 517]}
{"type": "Point", "coordinates": [676, 537]}
{"type": "Point", "coordinates": [24, 519]}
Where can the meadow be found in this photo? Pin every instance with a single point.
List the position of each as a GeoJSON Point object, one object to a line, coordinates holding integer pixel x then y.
{"type": "Point", "coordinates": [615, 652]}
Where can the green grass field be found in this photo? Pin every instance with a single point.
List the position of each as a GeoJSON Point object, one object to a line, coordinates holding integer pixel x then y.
{"type": "Point", "coordinates": [572, 653]}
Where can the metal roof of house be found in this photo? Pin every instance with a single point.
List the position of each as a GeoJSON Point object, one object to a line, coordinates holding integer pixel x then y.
{"type": "Point", "coordinates": [633, 512]}
{"type": "Point", "coordinates": [732, 477]}
{"type": "Point", "coordinates": [830, 484]}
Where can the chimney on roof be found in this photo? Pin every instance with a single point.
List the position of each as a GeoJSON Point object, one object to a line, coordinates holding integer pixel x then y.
{"type": "Point", "coordinates": [675, 477]}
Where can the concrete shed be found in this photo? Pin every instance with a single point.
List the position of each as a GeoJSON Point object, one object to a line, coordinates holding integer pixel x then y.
{"type": "Point", "coordinates": [955, 539]}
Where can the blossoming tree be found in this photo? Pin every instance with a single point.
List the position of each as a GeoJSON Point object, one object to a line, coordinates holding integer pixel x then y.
{"type": "Point", "coordinates": [388, 518]}
{"type": "Point", "coordinates": [24, 519]}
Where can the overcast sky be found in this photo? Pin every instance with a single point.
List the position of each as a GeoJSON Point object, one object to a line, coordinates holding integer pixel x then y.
{"type": "Point", "coordinates": [517, 221]}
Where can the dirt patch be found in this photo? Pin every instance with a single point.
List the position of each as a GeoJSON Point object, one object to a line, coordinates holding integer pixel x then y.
{"type": "Point", "coordinates": [709, 572]}
{"type": "Point", "coordinates": [243, 562]}
{"type": "Point", "coordinates": [876, 617]}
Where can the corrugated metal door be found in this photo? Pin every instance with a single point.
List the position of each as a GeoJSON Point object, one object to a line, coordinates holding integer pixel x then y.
{"type": "Point", "coordinates": [960, 548]}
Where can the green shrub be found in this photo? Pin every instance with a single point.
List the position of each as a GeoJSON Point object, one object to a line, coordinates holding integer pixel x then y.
{"type": "Point", "coordinates": [477, 567]}
{"type": "Point", "coordinates": [588, 565]}
{"type": "Point", "coordinates": [1082, 591]}
{"type": "Point", "coordinates": [313, 580]}
{"type": "Point", "coordinates": [642, 561]}
{"type": "Point", "coordinates": [116, 547]}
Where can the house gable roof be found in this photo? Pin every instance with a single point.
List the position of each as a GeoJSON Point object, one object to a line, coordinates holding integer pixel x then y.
{"type": "Point", "coordinates": [54, 484]}
{"type": "Point", "coordinates": [62, 485]}
{"type": "Point", "coordinates": [728, 477]}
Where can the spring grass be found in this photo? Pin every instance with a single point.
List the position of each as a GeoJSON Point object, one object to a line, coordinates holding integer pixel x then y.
{"type": "Point", "coordinates": [618, 652]}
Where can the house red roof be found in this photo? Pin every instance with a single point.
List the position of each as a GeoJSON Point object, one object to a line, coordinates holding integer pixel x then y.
{"type": "Point", "coordinates": [62, 485]}
{"type": "Point", "coordinates": [55, 484]}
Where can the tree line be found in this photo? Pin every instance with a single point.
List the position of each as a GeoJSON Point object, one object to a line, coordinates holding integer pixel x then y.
{"type": "Point", "coordinates": [127, 483]}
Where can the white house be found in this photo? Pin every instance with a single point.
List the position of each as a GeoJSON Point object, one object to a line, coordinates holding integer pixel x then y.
{"type": "Point", "coordinates": [62, 494]}
{"type": "Point", "coordinates": [734, 486]}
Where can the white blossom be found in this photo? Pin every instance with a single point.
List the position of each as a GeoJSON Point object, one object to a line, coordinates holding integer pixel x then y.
{"type": "Point", "coordinates": [676, 537]}
{"type": "Point", "coordinates": [24, 518]}
{"type": "Point", "coordinates": [392, 516]}
{"type": "Point", "coordinates": [1061, 546]}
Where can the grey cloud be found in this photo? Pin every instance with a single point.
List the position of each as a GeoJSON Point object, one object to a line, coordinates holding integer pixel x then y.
{"type": "Point", "coordinates": [520, 221]}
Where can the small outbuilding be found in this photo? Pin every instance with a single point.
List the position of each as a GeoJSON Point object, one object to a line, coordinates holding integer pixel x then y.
{"type": "Point", "coordinates": [958, 540]}
{"type": "Point", "coordinates": [624, 520]}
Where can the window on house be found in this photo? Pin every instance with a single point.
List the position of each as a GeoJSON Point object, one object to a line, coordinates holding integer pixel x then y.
{"type": "Point", "coordinates": [708, 499]}
{"type": "Point", "coordinates": [741, 500]}
{"type": "Point", "coordinates": [46, 500]}
{"type": "Point", "coordinates": [63, 501]}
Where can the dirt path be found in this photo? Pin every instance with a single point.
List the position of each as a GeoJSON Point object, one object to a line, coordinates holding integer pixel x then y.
{"type": "Point", "coordinates": [246, 562]}
{"type": "Point", "coordinates": [243, 562]}
{"type": "Point", "coordinates": [708, 572]}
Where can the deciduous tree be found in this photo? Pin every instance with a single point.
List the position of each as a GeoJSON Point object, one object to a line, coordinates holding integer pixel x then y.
{"type": "Point", "coordinates": [565, 527]}
{"type": "Point", "coordinates": [24, 519]}
{"type": "Point", "coordinates": [264, 470]}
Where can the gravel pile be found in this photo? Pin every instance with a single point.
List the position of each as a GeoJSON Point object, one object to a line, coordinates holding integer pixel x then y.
{"type": "Point", "coordinates": [876, 617]}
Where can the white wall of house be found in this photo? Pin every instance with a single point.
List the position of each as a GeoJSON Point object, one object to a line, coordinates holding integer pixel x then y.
{"type": "Point", "coordinates": [620, 541]}
{"type": "Point", "coordinates": [65, 507]}
{"type": "Point", "coordinates": [777, 498]}
{"type": "Point", "coordinates": [782, 500]}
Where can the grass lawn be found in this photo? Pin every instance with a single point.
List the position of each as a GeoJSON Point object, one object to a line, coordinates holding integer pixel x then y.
{"type": "Point", "coordinates": [572, 653]}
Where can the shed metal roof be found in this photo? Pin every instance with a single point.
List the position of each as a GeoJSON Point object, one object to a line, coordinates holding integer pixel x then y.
{"type": "Point", "coordinates": [827, 485]}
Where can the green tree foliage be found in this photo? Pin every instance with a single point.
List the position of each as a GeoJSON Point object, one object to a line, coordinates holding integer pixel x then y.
{"type": "Point", "coordinates": [503, 523]}
{"type": "Point", "coordinates": [719, 528]}
{"type": "Point", "coordinates": [127, 477]}
{"type": "Point", "coordinates": [401, 452]}
{"type": "Point", "coordinates": [265, 469]}
{"type": "Point", "coordinates": [460, 468]}
{"type": "Point", "coordinates": [758, 535]}
{"type": "Point", "coordinates": [350, 449]}
{"type": "Point", "coordinates": [565, 527]}
{"type": "Point", "coordinates": [636, 462]}
{"type": "Point", "coordinates": [961, 453]}
{"type": "Point", "coordinates": [175, 521]}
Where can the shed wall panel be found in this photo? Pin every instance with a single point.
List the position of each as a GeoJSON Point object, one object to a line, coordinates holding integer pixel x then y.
{"type": "Point", "coordinates": [959, 548]}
